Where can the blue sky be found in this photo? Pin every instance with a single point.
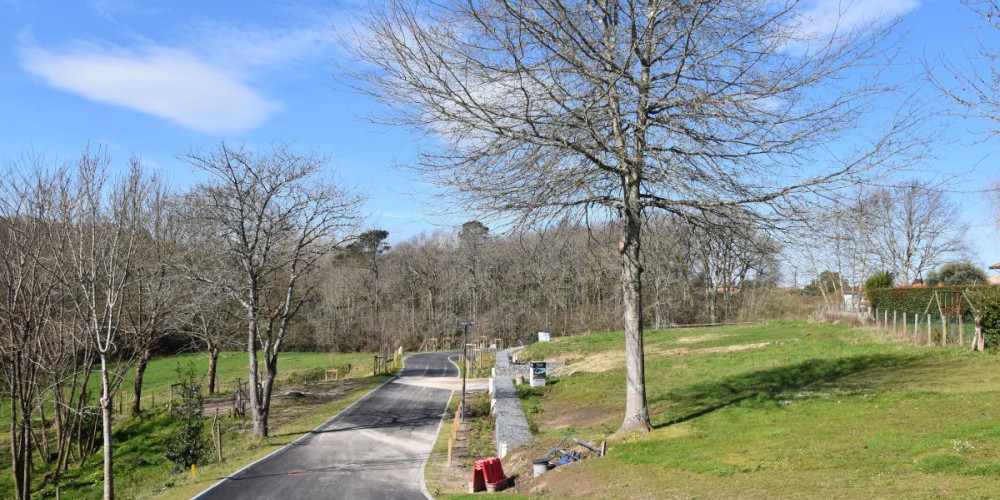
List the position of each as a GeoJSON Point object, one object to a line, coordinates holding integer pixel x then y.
{"type": "Point", "coordinates": [158, 78]}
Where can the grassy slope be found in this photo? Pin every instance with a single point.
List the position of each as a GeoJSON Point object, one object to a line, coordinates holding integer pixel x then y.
{"type": "Point", "coordinates": [822, 411]}
{"type": "Point", "coordinates": [141, 469]}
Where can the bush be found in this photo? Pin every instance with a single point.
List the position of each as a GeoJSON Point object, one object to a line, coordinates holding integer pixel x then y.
{"type": "Point", "coordinates": [988, 302]}
{"type": "Point", "coordinates": [189, 444]}
{"type": "Point", "coordinates": [957, 273]}
{"type": "Point", "coordinates": [991, 325]}
{"type": "Point", "coordinates": [879, 280]}
{"type": "Point", "coordinates": [985, 299]}
{"type": "Point", "coordinates": [915, 300]}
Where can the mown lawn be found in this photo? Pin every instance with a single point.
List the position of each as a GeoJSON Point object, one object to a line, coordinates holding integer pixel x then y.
{"type": "Point", "coordinates": [776, 410]}
{"type": "Point", "coordinates": [141, 468]}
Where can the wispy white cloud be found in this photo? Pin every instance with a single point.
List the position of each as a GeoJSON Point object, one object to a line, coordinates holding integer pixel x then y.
{"type": "Point", "coordinates": [169, 83]}
{"type": "Point", "coordinates": [250, 50]}
{"type": "Point", "coordinates": [203, 74]}
{"type": "Point", "coordinates": [824, 17]}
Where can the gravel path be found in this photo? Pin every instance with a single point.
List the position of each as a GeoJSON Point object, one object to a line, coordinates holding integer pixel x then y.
{"type": "Point", "coordinates": [511, 425]}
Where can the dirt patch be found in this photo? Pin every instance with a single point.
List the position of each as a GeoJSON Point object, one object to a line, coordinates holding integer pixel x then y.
{"type": "Point", "coordinates": [580, 417]}
{"type": "Point", "coordinates": [606, 361]}
{"type": "Point", "coordinates": [735, 348]}
{"type": "Point", "coordinates": [699, 338]}
{"type": "Point", "coordinates": [287, 403]}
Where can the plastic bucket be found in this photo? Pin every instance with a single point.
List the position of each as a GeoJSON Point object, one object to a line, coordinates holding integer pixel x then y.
{"type": "Point", "coordinates": [540, 466]}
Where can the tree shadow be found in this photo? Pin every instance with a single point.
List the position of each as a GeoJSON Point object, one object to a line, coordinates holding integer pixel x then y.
{"type": "Point", "coordinates": [774, 384]}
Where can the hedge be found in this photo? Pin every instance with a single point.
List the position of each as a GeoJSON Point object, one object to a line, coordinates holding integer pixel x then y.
{"type": "Point", "coordinates": [986, 298]}
{"type": "Point", "coordinates": [915, 300]}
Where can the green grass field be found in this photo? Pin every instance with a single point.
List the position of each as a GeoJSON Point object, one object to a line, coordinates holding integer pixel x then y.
{"type": "Point", "coordinates": [776, 410]}
{"type": "Point", "coordinates": [141, 468]}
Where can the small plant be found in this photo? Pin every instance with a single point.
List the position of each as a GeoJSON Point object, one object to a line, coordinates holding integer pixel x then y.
{"type": "Point", "coordinates": [188, 445]}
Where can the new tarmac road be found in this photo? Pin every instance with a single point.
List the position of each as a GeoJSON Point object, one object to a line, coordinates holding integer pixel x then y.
{"type": "Point", "coordinates": [373, 450]}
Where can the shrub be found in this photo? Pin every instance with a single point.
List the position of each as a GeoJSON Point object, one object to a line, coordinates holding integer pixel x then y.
{"type": "Point", "coordinates": [957, 273]}
{"type": "Point", "coordinates": [188, 445]}
{"type": "Point", "coordinates": [881, 279]}
{"type": "Point", "coordinates": [988, 302]}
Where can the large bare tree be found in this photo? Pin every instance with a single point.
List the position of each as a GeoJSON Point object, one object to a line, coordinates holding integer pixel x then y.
{"type": "Point", "coordinates": [911, 229]}
{"type": "Point", "coordinates": [689, 106]}
{"type": "Point", "coordinates": [276, 219]}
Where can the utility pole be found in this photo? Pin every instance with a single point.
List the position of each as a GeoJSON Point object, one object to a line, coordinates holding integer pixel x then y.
{"type": "Point", "coordinates": [465, 333]}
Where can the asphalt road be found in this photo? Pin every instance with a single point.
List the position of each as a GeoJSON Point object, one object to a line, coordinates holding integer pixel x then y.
{"type": "Point", "coordinates": [373, 450]}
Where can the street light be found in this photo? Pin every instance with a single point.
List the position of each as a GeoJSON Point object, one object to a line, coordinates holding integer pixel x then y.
{"type": "Point", "coordinates": [465, 364]}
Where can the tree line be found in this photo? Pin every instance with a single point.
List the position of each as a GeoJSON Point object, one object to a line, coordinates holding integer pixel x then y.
{"type": "Point", "coordinates": [560, 279]}
{"type": "Point", "coordinates": [102, 264]}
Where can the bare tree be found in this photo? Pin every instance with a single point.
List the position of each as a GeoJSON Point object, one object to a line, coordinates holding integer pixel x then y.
{"type": "Point", "coordinates": [692, 107]}
{"type": "Point", "coordinates": [102, 220]}
{"type": "Point", "coordinates": [276, 221]}
{"type": "Point", "coordinates": [213, 320]}
{"type": "Point", "coordinates": [370, 245]}
{"type": "Point", "coordinates": [911, 229]}
{"type": "Point", "coordinates": [975, 88]}
{"type": "Point", "coordinates": [156, 290]}
{"type": "Point", "coordinates": [27, 291]}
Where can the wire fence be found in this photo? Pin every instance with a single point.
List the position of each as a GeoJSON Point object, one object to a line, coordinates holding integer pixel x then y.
{"type": "Point", "coordinates": [918, 328]}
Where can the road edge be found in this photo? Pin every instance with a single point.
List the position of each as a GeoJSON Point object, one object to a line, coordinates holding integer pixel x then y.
{"type": "Point", "coordinates": [423, 466]}
{"type": "Point", "coordinates": [300, 438]}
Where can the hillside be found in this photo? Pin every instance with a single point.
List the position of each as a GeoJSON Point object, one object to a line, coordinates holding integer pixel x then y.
{"type": "Point", "coordinates": [776, 410]}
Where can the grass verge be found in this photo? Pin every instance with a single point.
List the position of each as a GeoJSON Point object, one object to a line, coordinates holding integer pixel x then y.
{"type": "Point", "coordinates": [141, 469]}
{"type": "Point", "coordinates": [776, 410]}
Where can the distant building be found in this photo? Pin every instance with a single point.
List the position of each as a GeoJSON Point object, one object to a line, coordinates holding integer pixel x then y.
{"type": "Point", "coordinates": [994, 280]}
{"type": "Point", "coordinates": [853, 300]}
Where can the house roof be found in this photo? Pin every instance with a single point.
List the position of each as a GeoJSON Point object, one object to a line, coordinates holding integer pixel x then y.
{"type": "Point", "coordinates": [995, 266]}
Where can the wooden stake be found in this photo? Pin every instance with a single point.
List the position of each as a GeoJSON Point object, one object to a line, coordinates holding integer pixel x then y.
{"type": "Point", "coordinates": [980, 341]}
{"type": "Point", "coordinates": [450, 443]}
{"type": "Point", "coordinates": [961, 331]}
{"type": "Point", "coordinates": [930, 335]}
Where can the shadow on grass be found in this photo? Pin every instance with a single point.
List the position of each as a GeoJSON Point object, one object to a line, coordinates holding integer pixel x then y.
{"type": "Point", "coordinates": [774, 384]}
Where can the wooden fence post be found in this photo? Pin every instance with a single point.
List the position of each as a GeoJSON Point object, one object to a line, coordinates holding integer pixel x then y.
{"type": "Point", "coordinates": [980, 341]}
{"type": "Point", "coordinates": [930, 335]}
{"type": "Point", "coordinates": [217, 434]}
{"type": "Point", "coordinates": [961, 331]}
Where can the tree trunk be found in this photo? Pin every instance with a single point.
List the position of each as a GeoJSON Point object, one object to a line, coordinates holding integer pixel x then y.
{"type": "Point", "coordinates": [109, 478]}
{"type": "Point", "coordinates": [256, 409]}
{"type": "Point", "coordinates": [140, 371]}
{"type": "Point", "coordinates": [213, 360]}
{"type": "Point", "coordinates": [271, 361]}
{"type": "Point", "coordinates": [636, 410]}
{"type": "Point", "coordinates": [18, 445]}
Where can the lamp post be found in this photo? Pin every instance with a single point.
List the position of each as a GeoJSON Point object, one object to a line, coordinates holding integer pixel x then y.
{"type": "Point", "coordinates": [465, 364]}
